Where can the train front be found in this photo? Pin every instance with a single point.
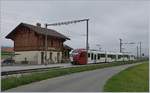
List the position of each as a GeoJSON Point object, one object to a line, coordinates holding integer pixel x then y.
{"type": "Point", "coordinates": [78, 57]}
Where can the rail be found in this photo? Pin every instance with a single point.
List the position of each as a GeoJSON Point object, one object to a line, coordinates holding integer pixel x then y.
{"type": "Point", "coordinates": [4, 73]}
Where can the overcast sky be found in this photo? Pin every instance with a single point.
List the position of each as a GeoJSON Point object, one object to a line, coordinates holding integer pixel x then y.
{"type": "Point", "coordinates": [109, 21]}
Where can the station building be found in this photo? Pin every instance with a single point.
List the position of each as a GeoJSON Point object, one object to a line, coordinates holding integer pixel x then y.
{"type": "Point", "coordinates": [29, 44]}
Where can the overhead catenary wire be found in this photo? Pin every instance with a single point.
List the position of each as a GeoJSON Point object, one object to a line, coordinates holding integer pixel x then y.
{"type": "Point", "coordinates": [67, 22]}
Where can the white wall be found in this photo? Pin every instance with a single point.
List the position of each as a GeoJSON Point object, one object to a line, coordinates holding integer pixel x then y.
{"type": "Point", "coordinates": [31, 56]}
{"type": "Point", "coordinates": [54, 56]}
{"type": "Point", "coordinates": [34, 57]}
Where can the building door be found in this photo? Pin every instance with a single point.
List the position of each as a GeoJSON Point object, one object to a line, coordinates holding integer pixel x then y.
{"type": "Point", "coordinates": [50, 57]}
{"type": "Point", "coordinates": [58, 57]}
{"type": "Point", "coordinates": [42, 57]}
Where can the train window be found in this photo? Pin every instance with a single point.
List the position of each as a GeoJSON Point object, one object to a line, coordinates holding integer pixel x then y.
{"type": "Point", "coordinates": [88, 54]}
{"type": "Point", "coordinates": [120, 56]}
{"type": "Point", "coordinates": [95, 57]}
{"type": "Point", "coordinates": [92, 56]}
{"type": "Point", "coordinates": [112, 56]}
{"type": "Point", "coordinates": [102, 55]}
{"type": "Point", "coordinates": [98, 56]}
{"type": "Point", "coordinates": [126, 56]}
{"type": "Point", "coordinates": [74, 52]}
{"type": "Point", "coordinates": [109, 55]}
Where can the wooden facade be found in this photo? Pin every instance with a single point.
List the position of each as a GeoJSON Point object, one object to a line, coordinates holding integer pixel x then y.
{"type": "Point", "coordinates": [27, 40]}
{"type": "Point", "coordinates": [30, 38]}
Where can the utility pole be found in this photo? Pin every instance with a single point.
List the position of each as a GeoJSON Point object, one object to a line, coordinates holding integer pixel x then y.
{"type": "Point", "coordinates": [120, 45]}
{"type": "Point", "coordinates": [87, 38]}
{"type": "Point", "coordinates": [140, 51]}
{"type": "Point", "coordinates": [137, 52]}
{"type": "Point", "coordinates": [45, 63]}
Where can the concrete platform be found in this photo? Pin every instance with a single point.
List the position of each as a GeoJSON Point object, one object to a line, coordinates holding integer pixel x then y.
{"type": "Point", "coordinates": [25, 67]}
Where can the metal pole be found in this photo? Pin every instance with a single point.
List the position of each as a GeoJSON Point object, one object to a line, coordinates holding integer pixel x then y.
{"type": "Point", "coordinates": [87, 35]}
{"type": "Point", "coordinates": [137, 52]}
{"type": "Point", "coordinates": [123, 56]}
{"type": "Point", "coordinates": [45, 63]}
{"type": "Point", "coordinates": [120, 45]}
{"type": "Point", "coordinates": [105, 56]}
{"type": "Point", "coordinates": [140, 50]}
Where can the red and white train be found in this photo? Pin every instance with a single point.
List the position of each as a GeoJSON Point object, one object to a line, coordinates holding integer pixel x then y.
{"type": "Point", "coordinates": [79, 57]}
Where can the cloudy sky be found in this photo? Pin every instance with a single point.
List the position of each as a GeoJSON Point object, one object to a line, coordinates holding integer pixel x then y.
{"type": "Point", "coordinates": [109, 21]}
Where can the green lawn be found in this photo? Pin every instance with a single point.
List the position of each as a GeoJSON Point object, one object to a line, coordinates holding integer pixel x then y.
{"type": "Point", "coordinates": [12, 82]}
{"type": "Point", "coordinates": [133, 79]}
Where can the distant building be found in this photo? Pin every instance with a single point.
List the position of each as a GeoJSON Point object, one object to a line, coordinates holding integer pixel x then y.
{"type": "Point", "coordinates": [7, 49]}
{"type": "Point", "coordinates": [29, 44]}
{"type": "Point", "coordinates": [7, 53]}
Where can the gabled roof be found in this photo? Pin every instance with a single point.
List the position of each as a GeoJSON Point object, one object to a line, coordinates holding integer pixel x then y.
{"type": "Point", "coordinates": [40, 30]}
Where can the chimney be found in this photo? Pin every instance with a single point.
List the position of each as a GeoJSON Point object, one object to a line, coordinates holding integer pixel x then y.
{"type": "Point", "coordinates": [38, 24]}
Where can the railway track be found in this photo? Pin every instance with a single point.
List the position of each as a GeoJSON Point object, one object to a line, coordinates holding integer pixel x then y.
{"type": "Point", "coordinates": [5, 73]}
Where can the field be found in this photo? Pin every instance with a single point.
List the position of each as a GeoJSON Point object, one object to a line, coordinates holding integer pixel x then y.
{"type": "Point", "coordinates": [133, 79]}
{"type": "Point", "coordinates": [12, 82]}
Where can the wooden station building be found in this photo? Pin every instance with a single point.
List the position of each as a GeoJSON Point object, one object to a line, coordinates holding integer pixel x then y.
{"type": "Point", "coordinates": [29, 44]}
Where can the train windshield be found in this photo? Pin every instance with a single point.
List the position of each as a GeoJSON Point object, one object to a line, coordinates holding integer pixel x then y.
{"type": "Point", "coordinates": [74, 52]}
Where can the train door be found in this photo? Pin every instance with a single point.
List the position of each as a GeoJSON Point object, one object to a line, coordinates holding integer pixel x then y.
{"type": "Point", "coordinates": [91, 58]}
{"type": "Point", "coordinates": [105, 57]}
{"type": "Point", "coordinates": [95, 58]}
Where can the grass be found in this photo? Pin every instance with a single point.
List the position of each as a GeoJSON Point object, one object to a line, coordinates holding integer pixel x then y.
{"type": "Point", "coordinates": [132, 79]}
{"type": "Point", "coordinates": [6, 54]}
{"type": "Point", "coordinates": [12, 82]}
